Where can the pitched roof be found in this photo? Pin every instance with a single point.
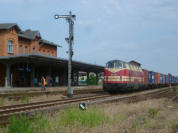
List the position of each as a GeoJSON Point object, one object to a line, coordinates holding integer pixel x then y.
{"type": "Point", "coordinates": [6, 26]}
{"type": "Point", "coordinates": [42, 41]}
{"type": "Point", "coordinates": [29, 34]}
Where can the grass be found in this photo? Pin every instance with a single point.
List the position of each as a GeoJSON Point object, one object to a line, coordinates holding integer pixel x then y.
{"type": "Point", "coordinates": [152, 112]}
{"type": "Point", "coordinates": [26, 99]}
{"type": "Point", "coordinates": [91, 118]}
{"type": "Point", "coordinates": [21, 124]}
{"type": "Point", "coordinates": [41, 123]}
{"type": "Point", "coordinates": [146, 116]}
{"type": "Point", "coordinates": [177, 87]}
{"type": "Point", "coordinates": [174, 127]}
{"type": "Point", "coordinates": [1, 101]}
{"type": "Point", "coordinates": [64, 121]}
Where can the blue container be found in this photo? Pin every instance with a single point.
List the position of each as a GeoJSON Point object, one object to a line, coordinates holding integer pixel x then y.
{"type": "Point", "coordinates": [166, 79]}
{"type": "Point", "coordinates": [170, 78]}
{"type": "Point", "coordinates": [151, 77]}
{"type": "Point", "coordinates": [161, 78]}
{"type": "Point", "coordinates": [174, 79]}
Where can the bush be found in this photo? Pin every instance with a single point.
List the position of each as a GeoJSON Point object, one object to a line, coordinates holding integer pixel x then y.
{"type": "Point", "coordinates": [92, 79]}
{"type": "Point", "coordinates": [21, 124]}
{"type": "Point", "coordinates": [90, 118]}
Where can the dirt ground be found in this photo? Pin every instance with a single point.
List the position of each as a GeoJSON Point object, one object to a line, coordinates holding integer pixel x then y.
{"type": "Point", "coordinates": [7, 101]}
{"type": "Point", "coordinates": [150, 116]}
{"type": "Point", "coordinates": [136, 117]}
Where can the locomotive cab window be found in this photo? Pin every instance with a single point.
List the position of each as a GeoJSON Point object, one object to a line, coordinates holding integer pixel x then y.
{"type": "Point", "coordinates": [118, 64]}
{"type": "Point", "coordinates": [110, 65]}
{"type": "Point", "coordinates": [124, 65]}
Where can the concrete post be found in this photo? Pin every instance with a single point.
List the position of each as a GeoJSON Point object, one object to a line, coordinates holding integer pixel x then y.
{"type": "Point", "coordinates": [7, 78]}
{"type": "Point", "coordinates": [96, 78]}
{"type": "Point", "coordinates": [72, 78]}
{"type": "Point", "coordinates": [32, 76]}
{"type": "Point", "coordinates": [88, 78]}
{"type": "Point", "coordinates": [50, 71]}
{"type": "Point", "coordinates": [65, 77]}
{"type": "Point", "coordinates": [77, 78]}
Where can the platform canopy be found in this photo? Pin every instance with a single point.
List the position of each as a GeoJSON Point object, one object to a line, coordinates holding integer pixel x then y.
{"type": "Point", "coordinates": [39, 59]}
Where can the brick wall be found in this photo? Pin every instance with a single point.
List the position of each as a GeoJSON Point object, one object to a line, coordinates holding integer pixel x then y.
{"type": "Point", "coordinates": [2, 38]}
{"type": "Point", "coordinates": [22, 45]}
{"type": "Point", "coordinates": [10, 35]}
{"type": "Point", "coordinates": [35, 45]}
{"type": "Point", "coordinates": [48, 50]}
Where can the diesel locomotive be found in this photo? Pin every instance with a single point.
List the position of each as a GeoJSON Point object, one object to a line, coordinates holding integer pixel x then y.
{"type": "Point", "coordinates": [126, 76]}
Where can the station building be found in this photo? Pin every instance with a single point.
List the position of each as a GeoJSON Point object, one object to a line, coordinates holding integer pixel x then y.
{"type": "Point", "coordinates": [25, 57]}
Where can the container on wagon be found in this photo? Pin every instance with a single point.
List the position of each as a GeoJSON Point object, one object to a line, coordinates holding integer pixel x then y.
{"type": "Point", "coordinates": [156, 78]}
{"type": "Point", "coordinates": [166, 79]}
{"type": "Point", "coordinates": [161, 78]}
{"type": "Point", "coordinates": [151, 77]}
{"type": "Point", "coordinates": [145, 76]}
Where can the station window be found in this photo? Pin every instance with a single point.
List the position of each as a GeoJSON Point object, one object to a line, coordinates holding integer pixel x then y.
{"type": "Point", "coordinates": [26, 50]}
{"type": "Point", "coordinates": [44, 51]}
{"type": "Point", "coordinates": [10, 47]}
{"type": "Point", "coordinates": [33, 50]}
{"type": "Point", "coordinates": [20, 49]}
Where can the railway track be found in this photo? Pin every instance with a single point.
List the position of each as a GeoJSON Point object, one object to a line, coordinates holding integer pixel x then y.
{"type": "Point", "coordinates": [20, 95]}
{"type": "Point", "coordinates": [7, 111]}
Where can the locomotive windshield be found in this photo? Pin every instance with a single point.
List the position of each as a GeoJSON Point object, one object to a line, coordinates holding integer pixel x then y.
{"type": "Point", "coordinates": [115, 64]}
{"type": "Point", "coordinates": [118, 64]}
{"type": "Point", "coordinates": [110, 65]}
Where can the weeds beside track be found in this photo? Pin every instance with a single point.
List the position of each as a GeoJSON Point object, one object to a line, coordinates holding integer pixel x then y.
{"type": "Point", "coordinates": [7, 111]}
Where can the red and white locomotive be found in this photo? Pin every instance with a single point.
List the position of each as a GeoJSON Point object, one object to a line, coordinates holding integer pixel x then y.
{"type": "Point", "coordinates": [122, 76]}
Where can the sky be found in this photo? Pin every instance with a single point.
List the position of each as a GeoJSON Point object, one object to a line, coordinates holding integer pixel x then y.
{"type": "Point", "coordinates": [141, 30]}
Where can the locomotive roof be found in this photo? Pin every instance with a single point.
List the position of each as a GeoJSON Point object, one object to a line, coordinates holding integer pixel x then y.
{"type": "Point", "coordinates": [130, 63]}
{"type": "Point", "coordinates": [116, 60]}
{"type": "Point", "coordinates": [135, 63]}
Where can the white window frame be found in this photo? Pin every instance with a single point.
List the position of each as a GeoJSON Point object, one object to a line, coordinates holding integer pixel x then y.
{"type": "Point", "coordinates": [10, 46]}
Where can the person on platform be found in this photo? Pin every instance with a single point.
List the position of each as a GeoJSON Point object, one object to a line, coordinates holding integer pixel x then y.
{"type": "Point", "coordinates": [43, 83]}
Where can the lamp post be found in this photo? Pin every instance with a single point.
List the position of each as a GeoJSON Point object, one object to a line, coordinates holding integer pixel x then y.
{"type": "Point", "coordinates": [69, 40]}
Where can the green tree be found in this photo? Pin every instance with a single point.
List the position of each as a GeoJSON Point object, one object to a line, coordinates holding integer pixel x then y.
{"type": "Point", "coordinates": [92, 78]}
